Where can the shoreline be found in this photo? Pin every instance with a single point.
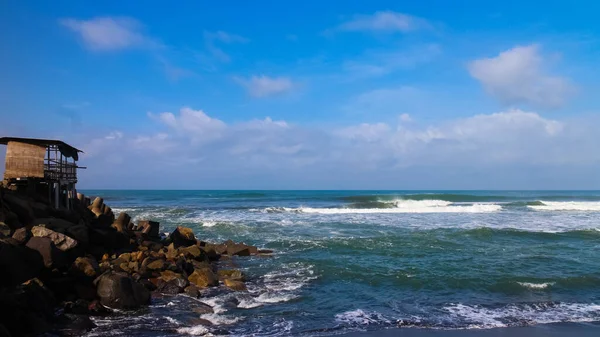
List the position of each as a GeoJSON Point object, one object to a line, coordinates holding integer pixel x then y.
{"type": "Point", "coordinates": [591, 329]}
{"type": "Point", "coordinates": [61, 267]}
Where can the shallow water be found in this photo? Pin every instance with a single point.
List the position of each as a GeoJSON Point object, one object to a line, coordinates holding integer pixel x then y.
{"type": "Point", "coordinates": [369, 260]}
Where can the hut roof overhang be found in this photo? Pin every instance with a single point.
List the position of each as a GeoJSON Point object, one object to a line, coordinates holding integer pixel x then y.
{"type": "Point", "coordinates": [64, 148]}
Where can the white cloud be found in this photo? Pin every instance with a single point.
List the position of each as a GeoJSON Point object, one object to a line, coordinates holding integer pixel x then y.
{"type": "Point", "coordinates": [200, 150]}
{"type": "Point", "coordinates": [405, 117]}
{"type": "Point", "coordinates": [211, 39]}
{"type": "Point", "coordinates": [386, 101]}
{"type": "Point", "coordinates": [110, 33]}
{"type": "Point", "coordinates": [264, 86]}
{"type": "Point", "coordinates": [194, 124]}
{"type": "Point", "coordinates": [385, 21]}
{"type": "Point", "coordinates": [376, 63]}
{"type": "Point", "coordinates": [519, 75]}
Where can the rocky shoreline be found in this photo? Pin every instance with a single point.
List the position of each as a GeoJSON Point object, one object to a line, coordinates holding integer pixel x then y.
{"type": "Point", "coordinates": [61, 267]}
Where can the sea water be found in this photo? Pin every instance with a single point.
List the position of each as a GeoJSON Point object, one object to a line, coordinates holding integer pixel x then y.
{"type": "Point", "coordinates": [370, 260]}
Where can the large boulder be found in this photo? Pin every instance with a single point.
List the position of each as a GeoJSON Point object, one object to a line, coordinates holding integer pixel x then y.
{"type": "Point", "coordinates": [18, 264]}
{"type": "Point", "coordinates": [51, 255]}
{"type": "Point", "coordinates": [121, 224]}
{"type": "Point", "coordinates": [149, 228]}
{"type": "Point", "coordinates": [120, 291]}
{"type": "Point", "coordinates": [203, 278]}
{"type": "Point", "coordinates": [231, 274]}
{"type": "Point", "coordinates": [22, 235]}
{"type": "Point", "coordinates": [78, 232]}
{"type": "Point", "coordinates": [109, 238]}
{"type": "Point", "coordinates": [235, 285]}
{"type": "Point", "coordinates": [28, 309]}
{"type": "Point", "coordinates": [85, 266]}
{"type": "Point", "coordinates": [60, 240]}
{"type": "Point", "coordinates": [183, 237]}
{"type": "Point", "coordinates": [4, 229]}
{"type": "Point", "coordinates": [21, 207]}
{"type": "Point", "coordinates": [97, 206]}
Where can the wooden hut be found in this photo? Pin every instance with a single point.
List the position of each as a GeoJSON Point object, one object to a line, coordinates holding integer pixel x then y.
{"type": "Point", "coordinates": [42, 166]}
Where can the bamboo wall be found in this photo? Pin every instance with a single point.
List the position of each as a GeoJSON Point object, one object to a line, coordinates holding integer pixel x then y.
{"type": "Point", "coordinates": [24, 161]}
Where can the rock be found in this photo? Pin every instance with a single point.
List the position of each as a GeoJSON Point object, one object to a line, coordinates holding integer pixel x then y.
{"type": "Point", "coordinates": [193, 252]}
{"type": "Point", "coordinates": [96, 206]}
{"type": "Point", "coordinates": [200, 321]}
{"type": "Point", "coordinates": [28, 309]}
{"type": "Point", "coordinates": [12, 220]}
{"type": "Point", "coordinates": [149, 228]}
{"type": "Point", "coordinates": [118, 290]}
{"type": "Point", "coordinates": [22, 235]}
{"type": "Point", "coordinates": [40, 209]}
{"type": "Point", "coordinates": [211, 252]}
{"type": "Point", "coordinates": [231, 303]}
{"type": "Point", "coordinates": [172, 252]}
{"type": "Point", "coordinates": [235, 285]}
{"type": "Point", "coordinates": [75, 325]}
{"type": "Point", "coordinates": [153, 246]}
{"type": "Point", "coordinates": [61, 241]}
{"type": "Point", "coordinates": [109, 238]}
{"type": "Point", "coordinates": [21, 207]}
{"type": "Point", "coordinates": [52, 256]}
{"type": "Point", "coordinates": [4, 229]}
{"type": "Point", "coordinates": [85, 266]}
{"type": "Point", "coordinates": [78, 232]}
{"type": "Point", "coordinates": [183, 237]}
{"type": "Point", "coordinates": [265, 251]}
{"type": "Point", "coordinates": [169, 288]}
{"type": "Point", "coordinates": [202, 309]}
{"type": "Point", "coordinates": [169, 275]}
{"type": "Point", "coordinates": [203, 278]}
{"type": "Point", "coordinates": [18, 264]}
{"type": "Point", "coordinates": [192, 291]}
{"type": "Point", "coordinates": [231, 274]}
{"type": "Point", "coordinates": [126, 257]}
{"type": "Point", "coordinates": [156, 265]}
{"type": "Point", "coordinates": [238, 249]}
{"type": "Point", "coordinates": [122, 222]}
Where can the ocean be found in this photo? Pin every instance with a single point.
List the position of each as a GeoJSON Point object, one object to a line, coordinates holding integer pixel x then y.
{"type": "Point", "coordinates": [350, 261]}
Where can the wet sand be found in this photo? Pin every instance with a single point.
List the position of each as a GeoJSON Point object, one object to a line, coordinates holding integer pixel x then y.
{"type": "Point", "coordinates": [551, 330]}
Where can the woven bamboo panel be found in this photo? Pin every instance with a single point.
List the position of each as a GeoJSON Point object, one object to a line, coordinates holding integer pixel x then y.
{"type": "Point", "coordinates": [24, 161]}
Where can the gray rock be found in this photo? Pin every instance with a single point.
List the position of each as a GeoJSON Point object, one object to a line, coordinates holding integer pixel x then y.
{"type": "Point", "coordinates": [118, 290]}
{"type": "Point", "coordinates": [61, 241]}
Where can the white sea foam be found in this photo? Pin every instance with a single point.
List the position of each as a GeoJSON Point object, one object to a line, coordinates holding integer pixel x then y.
{"type": "Point", "coordinates": [218, 319]}
{"type": "Point", "coordinates": [361, 317]}
{"type": "Point", "coordinates": [400, 206]}
{"type": "Point", "coordinates": [536, 285]}
{"type": "Point", "coordinates": [197, 330]}
{"type": "Point", "coordinates": [275, 298]}
{"type": "Point", "coordinates": [517, 314]}
{"type": "Point", "coordinates": [589, 206]}
{"type": "Point", "coordinates": [208, 223]}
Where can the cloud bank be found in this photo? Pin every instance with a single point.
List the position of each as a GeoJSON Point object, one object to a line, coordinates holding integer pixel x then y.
{"type": "Point", "coordinates": [520, 75]}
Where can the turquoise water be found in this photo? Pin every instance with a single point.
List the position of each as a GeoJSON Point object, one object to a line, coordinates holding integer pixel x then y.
{"type": "Point", "coordinates": [369, 260]}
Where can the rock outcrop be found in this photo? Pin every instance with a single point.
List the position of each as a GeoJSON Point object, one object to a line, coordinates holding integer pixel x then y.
{"type": "Point", "coordinates": [85, 260]}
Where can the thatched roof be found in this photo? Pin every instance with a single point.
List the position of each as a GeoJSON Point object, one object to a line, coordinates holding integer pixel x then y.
{"type": "Point", "coordinates": [66, 149]}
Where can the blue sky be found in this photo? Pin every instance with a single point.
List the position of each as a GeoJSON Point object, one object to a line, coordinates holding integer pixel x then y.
{"type": "Point", "coordinates": [319, 94]}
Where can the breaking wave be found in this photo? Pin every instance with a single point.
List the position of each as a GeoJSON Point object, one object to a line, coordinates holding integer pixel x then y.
{"type": "Point", "coordinates": [479, 317]}
{"type": "Point", "coordinates": [566, 206]}
{"type": "Point", "coordinates": [397, 206]}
